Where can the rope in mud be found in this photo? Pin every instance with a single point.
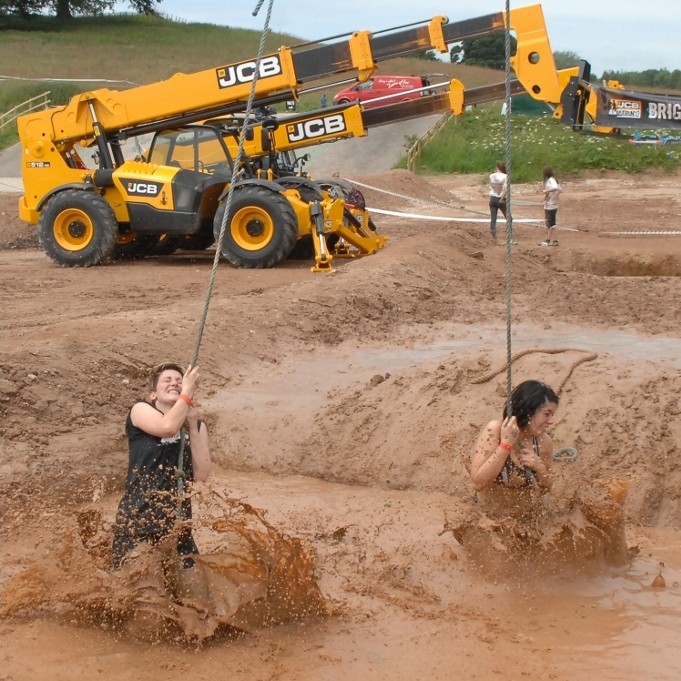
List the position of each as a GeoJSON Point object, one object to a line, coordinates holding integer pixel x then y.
{"type": "Point", "coordinates": [235, 171]}
{"type": "Point", "coordinates": [568, 454]}
{"type": "Point", "coordinates": [590, 356]}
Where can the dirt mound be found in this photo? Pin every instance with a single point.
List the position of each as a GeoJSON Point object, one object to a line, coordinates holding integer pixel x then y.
{"type": "Point", "coordinates": [14, 233]}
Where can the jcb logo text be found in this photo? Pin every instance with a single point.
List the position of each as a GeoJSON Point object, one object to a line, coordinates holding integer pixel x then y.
{"type": "Point", "coordinates": [245, 72]}
{"type": "Point", "coordinates": [625, 108]}
{"type": "Point", "coordinates": [142, 188]}
{"type": "Point", "coordinates": [316, 127]}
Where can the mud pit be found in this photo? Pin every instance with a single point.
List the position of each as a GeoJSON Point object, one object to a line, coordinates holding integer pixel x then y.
{"type": "Point", "coordinates": [343, 405]}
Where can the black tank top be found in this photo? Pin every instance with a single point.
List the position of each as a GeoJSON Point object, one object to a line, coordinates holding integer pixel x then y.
{"type": "Point", "coordinates": [149, 501]}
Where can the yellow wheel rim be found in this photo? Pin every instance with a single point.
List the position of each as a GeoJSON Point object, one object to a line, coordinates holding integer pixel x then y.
{"type": "Point", "coordinates": [252, 228]}
{"type": "Point", "coordinates": [73, 229]}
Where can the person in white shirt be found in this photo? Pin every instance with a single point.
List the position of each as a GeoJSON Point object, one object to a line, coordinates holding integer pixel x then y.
{"type": "Point", "coordinates": [551, 193]}
{"type": "Point", "coordinates": [498, 188]}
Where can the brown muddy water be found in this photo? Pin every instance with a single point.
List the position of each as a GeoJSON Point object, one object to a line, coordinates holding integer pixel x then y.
{"type": "Point", "coordinates": [403, 604]}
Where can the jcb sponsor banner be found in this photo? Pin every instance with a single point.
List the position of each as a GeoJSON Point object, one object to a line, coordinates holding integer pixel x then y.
{"type": "Point", "coordinates": [625, 109]}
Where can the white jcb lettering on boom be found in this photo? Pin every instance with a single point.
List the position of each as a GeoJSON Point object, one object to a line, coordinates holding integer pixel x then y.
{"type": "Point", "coordinates": [316, 127]}
{"type": "Point", "coordinates": [245, 72]}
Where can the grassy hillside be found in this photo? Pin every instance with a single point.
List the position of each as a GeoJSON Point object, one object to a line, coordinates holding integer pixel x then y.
{"type": "Point", "coordinates": [139, 49]}
{"type": "Point", "coordinates": [145, 49]}
{"type": "Point", "coordinates": [475, 142]}
{"type": "Point", "coordinates": [128, 49]}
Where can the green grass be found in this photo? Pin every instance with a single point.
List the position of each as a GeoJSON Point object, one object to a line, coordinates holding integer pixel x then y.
{"type": "Point", "coordinates": [474, 142]}
{"type": "Point", "coordinates": [43, 54]}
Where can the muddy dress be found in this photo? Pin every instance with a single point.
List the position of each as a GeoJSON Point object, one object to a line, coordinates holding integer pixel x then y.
{"type": "Point", "coordinates": [148, 510]}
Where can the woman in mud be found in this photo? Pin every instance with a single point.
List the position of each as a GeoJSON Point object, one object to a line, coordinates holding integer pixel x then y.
{"type": "Point", "coordinates": [512, 457]}
{"type": "Point", "coordinates": [511, 473]}
{"type": "Point", "coordinates": [160, 430]}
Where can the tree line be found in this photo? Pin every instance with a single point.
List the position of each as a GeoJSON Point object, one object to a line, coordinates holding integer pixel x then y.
{"type": "Point", "coordinates": [658, 78]}
{"type": "Point", "coordinates": [67, 9]}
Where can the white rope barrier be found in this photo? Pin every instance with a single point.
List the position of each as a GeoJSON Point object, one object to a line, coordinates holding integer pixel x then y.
{"type": "Point", "coordinates": [435, 202]}
{"type": "Point", "coordinates": [416, 199]}
{"type": "Point", "coordinates": [438, 218]}
{"type": "Point", "coordinates": [643, 233]}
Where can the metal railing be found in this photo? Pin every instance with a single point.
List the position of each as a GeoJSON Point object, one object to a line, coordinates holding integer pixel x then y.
{"type": "Point", "coordinates": [38, 102]}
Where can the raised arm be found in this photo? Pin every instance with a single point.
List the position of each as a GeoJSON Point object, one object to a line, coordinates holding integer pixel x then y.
{"type": "Point", "coordinates": [491, 451]}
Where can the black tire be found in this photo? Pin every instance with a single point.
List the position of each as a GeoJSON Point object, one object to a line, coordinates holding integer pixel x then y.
{"type": "Point", "coordinates": [332, 240]}
{"type": "Point", "coordinates": [262, 228]}
{"type": "Point", "coordinates": [196, 242]}
{"type": "Point", "coordinates": [309, 190]}
{"type": "Point", "coordinates": [336, 188]}
{"type": "Point", "coordinates": [132, 246]}
{"type": "Point", "coordinates": [167, 245]}
{"type": "Point", "coordinates": [303, 249]}
{"type": "Point", "coordinates": [77, 229]}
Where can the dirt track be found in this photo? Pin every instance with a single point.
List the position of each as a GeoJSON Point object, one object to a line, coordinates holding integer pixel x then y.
{"type": "Point", "coordinates": [345, 404]}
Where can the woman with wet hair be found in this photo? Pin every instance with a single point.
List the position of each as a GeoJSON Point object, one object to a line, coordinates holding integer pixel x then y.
{"type": "Point", "coordinates": [514, 454]}
{"type": "Point", "coordinates": [510, 518]}
{"type": "Point", "coordinates": [167, 442]}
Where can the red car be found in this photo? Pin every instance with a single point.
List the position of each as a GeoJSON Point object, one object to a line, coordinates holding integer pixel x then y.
{"type": "Point", "coordinates": [392, 88]}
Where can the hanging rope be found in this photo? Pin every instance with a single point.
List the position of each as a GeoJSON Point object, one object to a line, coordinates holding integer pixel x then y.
{"type": "Point", "coordinates": [235, 172]}
{"type": "Point", "coordinates": [509, 219]}
{"type": "Point", "coordinates": [218, 251]}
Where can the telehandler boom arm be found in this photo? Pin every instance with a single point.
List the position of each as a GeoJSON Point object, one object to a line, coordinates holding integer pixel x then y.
{"type": "Point", "coordinates": [185, 98]}
{"type": "Point", "coordinates": [290, 132]}
{"type": "Point", "coordinates": [606, 109]}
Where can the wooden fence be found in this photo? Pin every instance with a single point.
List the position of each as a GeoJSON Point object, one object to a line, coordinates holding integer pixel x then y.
{"type": "Point", "coordinates": [416, 148]}
{"type": "Point", "coordinates": [37, 102]}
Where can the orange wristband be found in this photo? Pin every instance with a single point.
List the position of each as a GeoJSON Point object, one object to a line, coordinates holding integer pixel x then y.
{"type": "Point", "coordinates": [187, 399]}
{"type": "Point", "coordinates": [505, 446]}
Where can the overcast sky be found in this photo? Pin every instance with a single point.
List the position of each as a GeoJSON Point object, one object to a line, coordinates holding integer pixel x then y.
{"type": "Point", "coordinates": [619, 35]}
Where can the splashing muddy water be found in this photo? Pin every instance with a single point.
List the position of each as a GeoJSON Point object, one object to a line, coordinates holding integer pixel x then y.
{"type": "Point", "coordinates": [251, 576]}
{"type": "Point", "coordinates": [402, 596]}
